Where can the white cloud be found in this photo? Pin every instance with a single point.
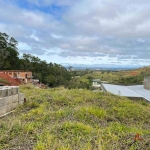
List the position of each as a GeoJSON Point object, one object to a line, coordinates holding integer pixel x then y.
{"type": "Point", "coordinates": [23, 46]}
{"type": "Point", "coordinates": [84, 31]}
{"type": "Point", "coordinates": [56, 36]}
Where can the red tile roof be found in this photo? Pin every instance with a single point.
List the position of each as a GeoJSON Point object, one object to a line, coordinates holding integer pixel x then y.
{"type": "Point", "coordinates": [10, 80]}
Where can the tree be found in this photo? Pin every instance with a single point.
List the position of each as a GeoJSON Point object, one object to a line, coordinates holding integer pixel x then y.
{"type": "Point", "coordinates": [50, 80]}
{"type": "Point", "coordinates": [8, 52]}
{"type": "Point", "coordinates": [70, 68]}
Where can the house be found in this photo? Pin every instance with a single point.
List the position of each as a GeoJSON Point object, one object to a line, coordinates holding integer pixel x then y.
{"type": "Point", "coordinates": [96, 82]}
{"type": "Point", "coordinates": [23, 76]}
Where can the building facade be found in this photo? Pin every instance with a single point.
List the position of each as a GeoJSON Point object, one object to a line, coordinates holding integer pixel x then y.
{"type": "Point", "coordinates": [96, 82]}
{"type": "Point", "coordinates": [23, 76]}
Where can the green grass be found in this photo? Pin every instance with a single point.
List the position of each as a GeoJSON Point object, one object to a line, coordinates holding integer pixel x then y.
{"type": "Point", "coordinates": [103, 75]}
{"type": "Point", "coordinates": [62, 119]}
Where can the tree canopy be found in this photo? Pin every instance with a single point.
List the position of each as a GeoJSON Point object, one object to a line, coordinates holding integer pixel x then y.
{"type": "Point", "coordinates": [8, 52]}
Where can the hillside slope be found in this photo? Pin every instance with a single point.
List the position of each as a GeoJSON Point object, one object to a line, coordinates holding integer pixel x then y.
{"type": "Point", "coordinates": [122, 77]}
{"type": "Point", "coordinates": [61, 119]}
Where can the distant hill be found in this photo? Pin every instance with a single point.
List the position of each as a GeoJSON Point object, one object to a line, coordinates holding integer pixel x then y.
{"type": "Point", "coordinates": [132, 77]}
{"type": "Point", "coordinates": [122, 77]}
{"type": "Point", "coordinates": [139, 71]}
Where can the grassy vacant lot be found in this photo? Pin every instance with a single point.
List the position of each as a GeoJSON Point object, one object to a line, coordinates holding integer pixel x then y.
{"type": "Point", "coordinates": [61, 119]}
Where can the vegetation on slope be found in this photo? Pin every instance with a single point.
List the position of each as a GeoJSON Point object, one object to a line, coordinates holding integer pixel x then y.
{"type": "Point", "coordinates": [123, 77]}
{"type": "Point", "coordinates": [62, 119]}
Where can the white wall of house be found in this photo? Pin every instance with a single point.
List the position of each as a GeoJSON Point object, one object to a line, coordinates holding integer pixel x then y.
{"type": "Point", "coordinates": [96, 84]}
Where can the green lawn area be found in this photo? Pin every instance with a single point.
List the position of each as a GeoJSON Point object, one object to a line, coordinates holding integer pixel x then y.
{"type": "Point", "coordinates": [62, 119]}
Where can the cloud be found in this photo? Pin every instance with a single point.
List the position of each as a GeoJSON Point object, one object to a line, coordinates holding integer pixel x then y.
{"type": "Point", "coordinates": [113, 18]}
{"type": "Point", "coordinates": [104, 31]}
{"type": "Point", "coordinates": [52, 2]}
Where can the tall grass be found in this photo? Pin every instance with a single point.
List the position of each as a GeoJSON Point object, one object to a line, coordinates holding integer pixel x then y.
{"type": "Point", "coordinates": [62, 119]}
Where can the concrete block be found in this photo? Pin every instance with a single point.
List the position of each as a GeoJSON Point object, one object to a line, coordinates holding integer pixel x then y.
{"type": "Point", "coordinates": [15, 98]}
{"type": "Point", "coordinates": [2, 101]}
{"type": "Point", "coordinates": [17, 89]}
{"type": "Point", "coordinates": [14, 90]}
{"type": "Point", "coordinates": [21, 96]}
{"type": "Point", "coordinates": [21, 102]}
{"type": "Point", "coordinates": [8, 108]}
{"type": "Point", "coordinates": [8, 100]}
{"type": "Point", "coordinates": [0, 93]}
{"type": "Point", "coordinates": [9, 91]}
{"type": "Point", "coordinates": [2, 110]}
{"type": "Point", "coordinates": [3, 92]}
{"type": "Point", "coordinates": [6, 92]}
{"type": "Point", "coordinates": [14, 105]}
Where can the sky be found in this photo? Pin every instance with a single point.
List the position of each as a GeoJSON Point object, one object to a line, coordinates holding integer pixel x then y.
{"type": "Point", "coordinates": [80, 32]}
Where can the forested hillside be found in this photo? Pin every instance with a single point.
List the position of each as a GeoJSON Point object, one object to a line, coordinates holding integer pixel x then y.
{"type": "Point", "coordinates": [51, 74]}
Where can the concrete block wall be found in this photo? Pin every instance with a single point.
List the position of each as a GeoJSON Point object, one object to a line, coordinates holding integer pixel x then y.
{"type": "Point", "coordinates": [147, 83]}
{"type": "Point", "coordinates": [10, 98]}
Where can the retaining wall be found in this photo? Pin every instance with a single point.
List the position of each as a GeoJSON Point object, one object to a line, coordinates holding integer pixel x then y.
{"type": "Point", "coordinates": [10, 98]}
